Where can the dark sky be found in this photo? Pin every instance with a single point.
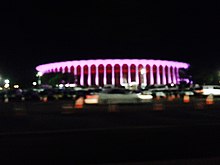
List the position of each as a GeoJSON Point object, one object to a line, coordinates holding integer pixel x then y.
{"type": "Point", "coordinates": [34, 33]}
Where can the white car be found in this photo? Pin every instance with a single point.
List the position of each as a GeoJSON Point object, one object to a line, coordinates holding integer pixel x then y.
{"type": "Point", "coordinates": [117, 96]}
{"type": "Point", "coordinates": [113, 96]}
{"type": "Point", "coordinates": [145, 95]}
{"type": "Point", "coordinates": [211, 90]}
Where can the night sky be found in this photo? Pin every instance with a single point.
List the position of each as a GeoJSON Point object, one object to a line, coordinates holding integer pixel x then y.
{"type": "Point", "coordinates": [34, 33]}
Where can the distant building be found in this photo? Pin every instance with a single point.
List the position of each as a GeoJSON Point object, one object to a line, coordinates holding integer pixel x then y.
{"type": "Point", "coordinates": [118, 72]}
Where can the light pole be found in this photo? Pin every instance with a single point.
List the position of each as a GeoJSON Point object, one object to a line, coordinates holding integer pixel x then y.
{"type": "Point", "coordinates": [0, 80]}
{"type": "Point", "coordinates": [39, 75]}
{"type": "Point", "coordinates": [218, 77]}
{"type": "Point", "coordinates": [143, 83]}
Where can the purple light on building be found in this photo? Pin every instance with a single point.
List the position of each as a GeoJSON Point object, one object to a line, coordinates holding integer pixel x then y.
{"type": "Point", "coordinates": [118, 71]}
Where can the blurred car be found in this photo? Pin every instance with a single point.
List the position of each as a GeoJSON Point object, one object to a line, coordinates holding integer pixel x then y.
{"type": "Point", "coordinates": [112, 96]}
{"type": "Point", "coordinates": [209, 90]}
{"type": "Point", "coordinates": [31, 95]}
{"type": "Point", "coordinates": [145, 95]}
{"type": "Point", "coordinates": [159, 90]}
{"type": "Point", "coordinates": [188, 92]}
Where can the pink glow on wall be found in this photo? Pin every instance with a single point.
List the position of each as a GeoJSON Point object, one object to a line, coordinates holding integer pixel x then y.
{"type": "Point", "coordinates": [104, 71]}
{"type": "Point", "coordinates": [44, 67]}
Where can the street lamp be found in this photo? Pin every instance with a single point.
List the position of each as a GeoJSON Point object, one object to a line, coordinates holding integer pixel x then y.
{"type": "Point", "coordinates": [7, 81]}
{"type": "Point", "coordinates": [6, 85]}
{"type": "Point", "coordinates": [34, 83]}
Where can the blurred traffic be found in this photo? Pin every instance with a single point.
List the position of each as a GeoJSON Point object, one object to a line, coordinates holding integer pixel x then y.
{"type": "Point", "coordinates": [108, 94]}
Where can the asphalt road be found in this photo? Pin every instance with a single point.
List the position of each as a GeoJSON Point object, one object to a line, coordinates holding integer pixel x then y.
{"type": "Point", "coordinates": [153, 133]}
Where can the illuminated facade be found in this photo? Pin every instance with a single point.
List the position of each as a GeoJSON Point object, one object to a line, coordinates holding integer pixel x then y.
{"type": "Point", "coordinates": [118, 71]}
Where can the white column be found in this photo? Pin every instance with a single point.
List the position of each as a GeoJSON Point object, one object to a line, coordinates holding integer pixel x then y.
{"type": "Point", "coordinates": [169, 75]}
{"type": "Point", "coordinates": [177, 75]}
{"type": "Point", "coordinates": [174, 76]}
{"type": "Point", "coordinates": [151, 75]}
{"type": "Point", "coordinates": [129, 74]}
{"type": "Point", "coordinates": [121, 75]}
{"type": "Point", "coordinates": [75, 74]}
{"type": "Point", "coordinates": [113, 75]}
{"type": "Point", "coordinates": [164, 75]}
{"type": "Point", "coordinates": [145, 76]}
{"type": "Point", "coordinates": [97, 75]}
{"type": "Point", "coordinates": [105, 78]}
{"type": "Point", "coordinates": [158, 75]}
{"type": "Point", "coordinates": [81, 76]}
{"type": "Point", "coordinates": [75, 69]}
{"type": "Point", "coordinates": [89, 75]}
{"type": "Point", "coordinates": [136, 75]}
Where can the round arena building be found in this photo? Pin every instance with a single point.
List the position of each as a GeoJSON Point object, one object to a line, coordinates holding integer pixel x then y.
{"type": "Point", "coordinates": [117, 72]}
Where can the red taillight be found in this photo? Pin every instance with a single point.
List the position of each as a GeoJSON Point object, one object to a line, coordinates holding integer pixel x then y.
{"type": "Point", "coordinates": [92, 99]}
{"type": "Point", "coordinates": [92, 96]}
